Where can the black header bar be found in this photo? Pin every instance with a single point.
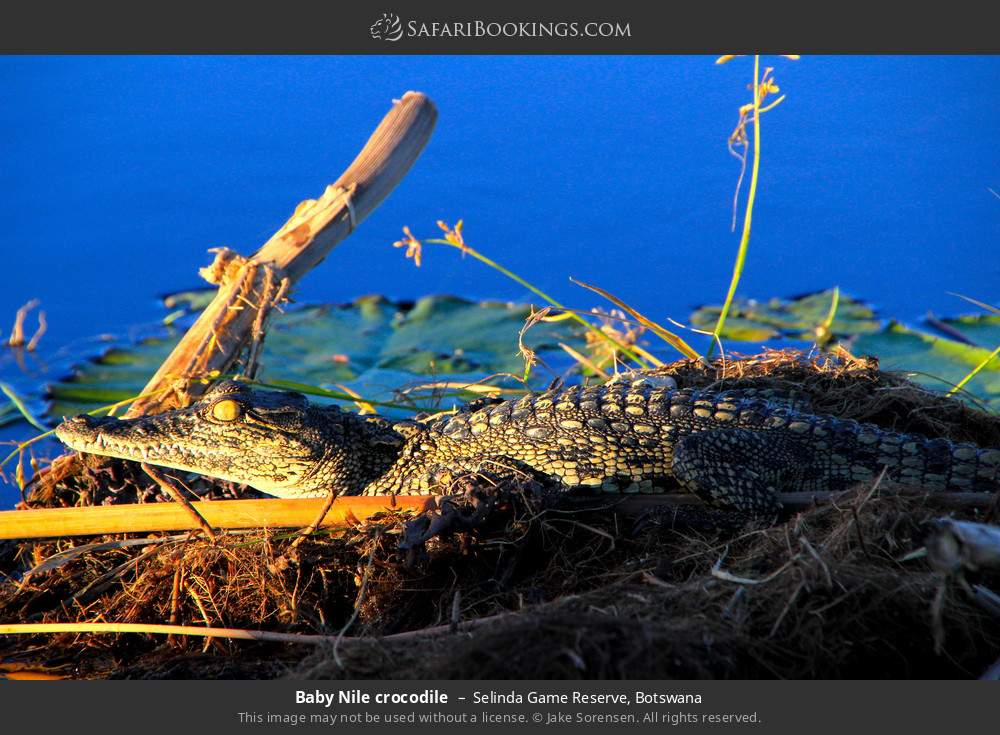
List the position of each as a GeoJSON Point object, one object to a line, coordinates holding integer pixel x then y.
{"type": "Point", "coordinates": [511, 27]}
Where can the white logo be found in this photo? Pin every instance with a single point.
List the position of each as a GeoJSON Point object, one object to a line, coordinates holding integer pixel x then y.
{"type": "Point", "coordinates": [387, 28]}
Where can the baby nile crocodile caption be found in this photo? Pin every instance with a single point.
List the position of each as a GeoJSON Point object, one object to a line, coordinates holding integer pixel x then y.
{"type": "Point", "coordinates": [636, 434]}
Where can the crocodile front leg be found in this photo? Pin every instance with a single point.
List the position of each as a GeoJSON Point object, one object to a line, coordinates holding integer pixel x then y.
{"type": "Point", "coordinates": [740, 469]}
{"type": "Point", "coordinates": [467, 499]}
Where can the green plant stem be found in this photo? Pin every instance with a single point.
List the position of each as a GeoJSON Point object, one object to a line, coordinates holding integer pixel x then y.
{"type": "Point", "coordinates": [832, 313]}
{"type": "Point", "coordinates": [741, 254]}
{"type": "Point", "coordinates": [667, 336]}
{"type": "Point", "coordinates": [541, 294]}
{"type": "Point", "coordinates": [975, 371]}
{"type": "Point", "coordinates": [18, 403]}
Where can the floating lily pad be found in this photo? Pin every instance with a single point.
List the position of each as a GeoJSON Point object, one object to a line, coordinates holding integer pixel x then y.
{"type": "Point", "coordinates": [376, 347]}
{"type": "Point", "coordinates": [373, 346]}
{"type": "Point", "coordinates": [192, 300]}
{"type": "Point", "coordinates": [936, 362]}
{"type": "Point", "coordinates": [798, 318]}
{"type": "Point", "coordinates": [182, 303]}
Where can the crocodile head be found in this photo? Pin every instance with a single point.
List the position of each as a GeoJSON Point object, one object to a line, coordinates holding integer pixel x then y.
{"type": "Point", "coordinates": [276, 442]}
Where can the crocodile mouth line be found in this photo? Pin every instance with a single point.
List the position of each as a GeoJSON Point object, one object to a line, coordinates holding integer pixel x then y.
{"type": "Point", "coordinates": [107, 445]}
{"type": "Point", "coordinates": [177, 452]}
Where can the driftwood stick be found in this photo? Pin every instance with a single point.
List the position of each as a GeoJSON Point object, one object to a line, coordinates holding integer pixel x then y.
{"type": "Point", "coordinates": [956, 546]}
{"type": "Point", "coordinates": [215, 341]}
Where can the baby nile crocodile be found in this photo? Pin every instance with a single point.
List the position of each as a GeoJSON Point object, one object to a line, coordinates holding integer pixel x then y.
{"type": "Point", "coordinates": [733, 449]}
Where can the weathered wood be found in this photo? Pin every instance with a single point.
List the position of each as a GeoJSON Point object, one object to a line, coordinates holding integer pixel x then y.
{"type": "Point", "coordinates": [956, 546]}
{"type": "Point", "coordinates": [250, 287]}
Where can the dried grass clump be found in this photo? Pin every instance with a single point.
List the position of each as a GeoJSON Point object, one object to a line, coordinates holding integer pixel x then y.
{"type": "Point", "coordinates": [550, 591]}
{"type": "Point", "coordinates": [832, 599]}
{"type": "Point", "coordinates": [848, 388]}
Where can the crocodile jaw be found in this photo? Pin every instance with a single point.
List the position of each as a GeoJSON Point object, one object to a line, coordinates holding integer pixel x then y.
{"type": "Point", "coordinates": [167, 441]}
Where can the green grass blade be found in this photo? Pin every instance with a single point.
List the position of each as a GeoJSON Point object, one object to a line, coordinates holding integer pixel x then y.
{"type": "Point", "coordinates": [976, 302]}
{"type": "Point", "coordinates": [986, 361]}
{"type": "Point", "coordinates": [741, 253]}
{"type": "Point", "coordinates": [541, 294]}
{"type": "Point", "coordinates": [23, 409]}
{"type": "Point", "coordinates": [667, 336]}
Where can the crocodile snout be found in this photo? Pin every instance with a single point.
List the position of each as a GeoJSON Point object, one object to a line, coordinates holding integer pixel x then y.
{"type": "Point", "coordinates": [83, 424]}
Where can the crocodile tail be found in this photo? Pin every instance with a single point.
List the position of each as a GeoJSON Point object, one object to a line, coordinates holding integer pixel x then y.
{"type": "Point", "coordinates": [984, 463]}
{"type": "Point", "coordinates": [856, 453]}
{"type": "Point", "coordinates": [939, 464]}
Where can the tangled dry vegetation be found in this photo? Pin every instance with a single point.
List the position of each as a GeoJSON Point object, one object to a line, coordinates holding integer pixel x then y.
{"type": "Point", "coordinates": [546, 591]}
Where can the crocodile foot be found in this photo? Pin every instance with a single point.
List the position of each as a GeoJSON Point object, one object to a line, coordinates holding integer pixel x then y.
{"type": "Point", "coordinates": [466, 510]}
{"type": "Point", "coordinates": [738, 469]}
{"type": "Point", "coordinates": [453, 513]}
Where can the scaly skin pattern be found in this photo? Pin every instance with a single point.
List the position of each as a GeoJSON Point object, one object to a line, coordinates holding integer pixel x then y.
{"type": "Point", "coordinates": [733, 449]}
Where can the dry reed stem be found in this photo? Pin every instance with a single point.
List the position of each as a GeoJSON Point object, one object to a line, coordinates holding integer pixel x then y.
{"type": "Point", "coordinates": [16, 338]}
{"type": "Point", "coordinates": [149, 517]}
{"type": "Point", "coordinates": [101, 628]}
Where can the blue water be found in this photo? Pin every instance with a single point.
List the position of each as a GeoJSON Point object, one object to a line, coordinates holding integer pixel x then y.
{"type": "Point", "coordinates": [118, 174]}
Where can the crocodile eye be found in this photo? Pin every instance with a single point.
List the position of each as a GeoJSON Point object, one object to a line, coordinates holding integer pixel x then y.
{"type": "Point", "coordinates": [226, 410]}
